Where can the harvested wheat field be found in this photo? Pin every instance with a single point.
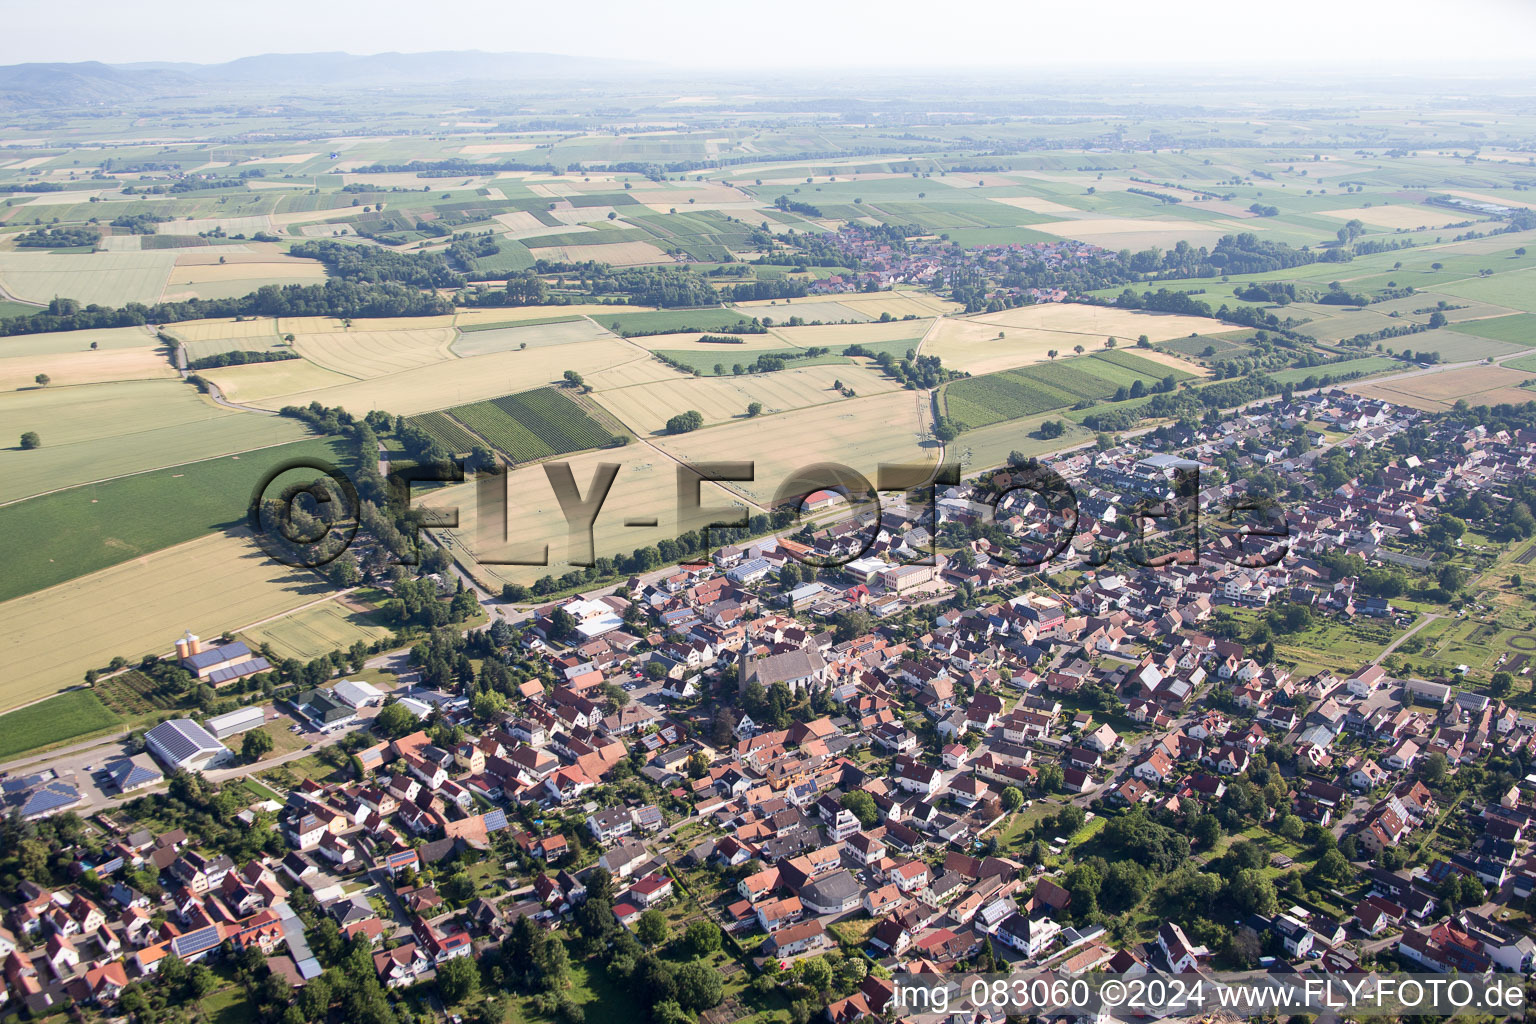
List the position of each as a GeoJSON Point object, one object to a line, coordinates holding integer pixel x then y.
{"type": "Point", "coordinates": [62, 342]}
{"type": "Point", "coordinates": [266, 384]}
{"type": "Point", "coordinates": [1101, 322]}
{"type": "Point", "coordinates": [1141, 232]}
{"type": "Point", "coordinates": [1439, 390]}
{"type": "Point", "coordinates": [861, 433]}
{"type": "Point", "coordinates": [689, 342]}
{"type": "Point", "coordinates": [209, 586]}
{"type": "Point", "coordinates": [520, 220]}
{"type": "Point", "coordinates": [1407, 215]}
{"type": "Point", "coordinates": [365, 354]}
{"type": "Point", "coordinates": [454, 382]}
{"type": "Point", "coordinates": [620, 254]}
{"type": "Point", "coordinates": [645, 408]}
{"type": "Point", "coordinates": [232, 280]}
{"type": "Point", "coordinates": [147, 362]}
{"type": "Point", "coordinates": [642, 369]}
{"type": "Point", "coordinates": [511, 315]}
{"type": "Point", "coordinates": [1034, 204]}
{"type": "Point", "coordinates": [106, 278]}
{"type": "Point", "coordinates": [839, 336]}
{"type": "Point", "coordinates": [645, 487]}
{"type": "Point", "coordinates": [222, 330]}
{"type": "Point", "coordinates": [508, 339]}
{"type": "Point", "coordinates": [900, 304]}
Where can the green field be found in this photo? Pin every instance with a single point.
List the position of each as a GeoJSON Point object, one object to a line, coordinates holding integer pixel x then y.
{"type": "Point", "coordinates": [59, 536]}
{"type": "Point", "coordinates": [1368, 364]}
{"type": "Point", "coordinates": [316, 631]}
{"type": "Point", "coordinates": [10, 309]}
{"type": "Point", "coordinates": [1042, 387]}
{"type": "Point", "coordinates": [1519, 329]}
{"type": "Point", "coordinates": [52, 721]}
{"type": "Point", "coordinates": [534, 425]}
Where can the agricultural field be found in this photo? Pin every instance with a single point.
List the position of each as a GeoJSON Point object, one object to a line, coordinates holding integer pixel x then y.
{"type": "Point", "coordinates": [989, 446]}
{"type": "Point", "coordinates": [1000, 341]}
{"type": "Point", "coordinates": [1513, 289]}
{"type": "Point", "coordinates": [438, 386]}
{"type": "Point", "coordinates": [105, 278]}
{"type": "Point", "coordinates": [808, 309]}
{"type": "Point", "coordinates": [318, 629]}
{"type": "Point", "coordinates": [1519, 329]}
{"type": "Point", "coordinates": [72, 533]}
{"type": "Point", "coordinates": [871, 335]}
{"type": "Point", "coordinates": [445, 431]}
{"type": "Point", "coordinates": [1368, 364]}
{"type": "Point", "coordinates": [1013, 394]}
{"type": "Point", "coordinates": [100, 431]}
{"type": "Point", "coordinates": [646, 486]}
{"type": "Point", "coordinates": [894, 428]}
{"type": "Point", "coordinates": [534, 425]}
{"type": "Point", "coordinates": [231, 280]}
{"type": "Point", "coordinates": [211, 585]}
{"type": "Point", "coordinates": [1455, 346]}
{"type": "Point", "coordinates": [268, 383]}
{"type": "Point", "coordinates": [691, 347]}
{"type": "Point", "coordinates": [1439, 390]}
{"type": "Point", "coordinates": [645, 408]}
{"type": "Point", "coordinates": [54, 721]}
{"type": "Point", "coordinates": [364, 354]}
{"type": "Point", "coordinates": [716, 320]}
{"type": "Point", "coordinates": [480, 341]}
{"type": "Point", "coordinates": [146, 362]}
{"type": "Point", "coordinates": [619, 254]}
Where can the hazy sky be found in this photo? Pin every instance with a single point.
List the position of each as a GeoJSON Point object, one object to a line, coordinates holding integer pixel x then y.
{"type": "Point", "coordinates": [1417, 36]}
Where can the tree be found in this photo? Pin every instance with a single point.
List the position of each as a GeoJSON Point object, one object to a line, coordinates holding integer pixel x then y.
{"type": "Point", "coordinates": [703, 937]}
{"type": "Point", "coordinates": [651, 929]}
{"type": "Point", "coordinates": [395, 720]}
{"type": "Point", "coordinates": [698, 986]}
{"type": "Point", "coordinates": [255, 744]}
{"type": "Point", "coordinates": [755, 409]}
{"type": "Point", "coordinates": [863, 807]}
{"type": "Point", "coordinates": [43, 380]}
{"type": "Point", "coordinates": [1012, 798]}
{"type": "Point", "coordinates": [1432, 768]}
{"type": "Point", "coordinates": [458, 979]}
{"type": "Point", "coordinates": [30, 440]}
{"type": "Point", "coordinates": [684, 422]}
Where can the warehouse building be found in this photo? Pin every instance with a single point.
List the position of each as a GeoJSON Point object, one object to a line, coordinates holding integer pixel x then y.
{"type": "Point", "coordinates": [183, 745]}
{"type": "Point", "coordinates": [237, 721]}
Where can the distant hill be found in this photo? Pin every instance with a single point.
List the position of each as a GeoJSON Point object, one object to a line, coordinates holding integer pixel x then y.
{"type": "Point", "coordinates": [88, 83]}
{"type": "Point", "coordinates": [91, 83]}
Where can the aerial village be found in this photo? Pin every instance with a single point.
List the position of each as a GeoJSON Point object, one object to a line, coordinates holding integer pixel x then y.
{"type": "Point", "coordinates": [927, 758]}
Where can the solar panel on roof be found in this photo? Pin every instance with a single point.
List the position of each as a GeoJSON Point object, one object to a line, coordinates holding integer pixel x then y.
{"type": "Point", "coordinates": [196, 942]}
{"type": "Point", "coordinates": [495, 820]}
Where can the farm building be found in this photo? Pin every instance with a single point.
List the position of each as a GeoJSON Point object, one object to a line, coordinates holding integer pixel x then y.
{"type": "Point", "coordinates": [221, 664]}
{"type": "Point", "coordinates": [236, 722]}
{"type": "Point", "coordinates": [358, 694]}
{"type": "Point", "coordinates": [182, 744]}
